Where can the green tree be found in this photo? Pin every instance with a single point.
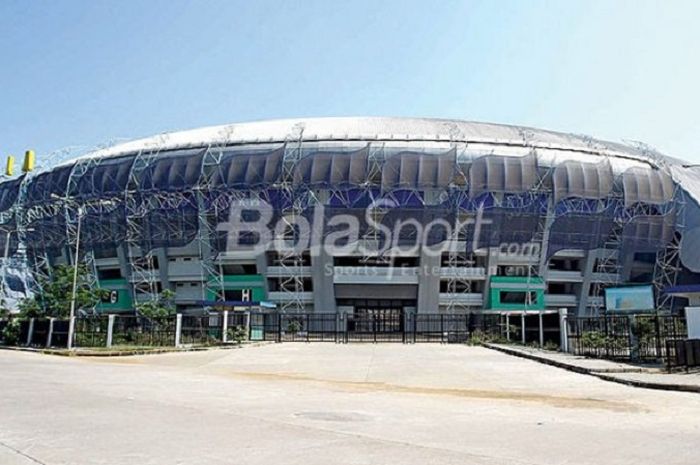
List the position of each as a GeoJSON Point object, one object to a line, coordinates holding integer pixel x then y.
{"type": "Point", "coordinates": [162, 306]}
{"type": "Point", "coordinates": [54, 299]}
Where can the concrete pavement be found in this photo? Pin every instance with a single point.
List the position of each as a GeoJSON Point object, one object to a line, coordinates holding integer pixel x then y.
{"type": "Point", "coordinates": [651, 377]}
{"type": "Point", "coordinates": [328, 403]}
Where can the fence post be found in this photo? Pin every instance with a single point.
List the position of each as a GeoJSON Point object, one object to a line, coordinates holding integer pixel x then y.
{"type": "Point", "coordinates": [279, 327]}
{"type": "Point", "coordinates": [507, 327]}
{"type": "Point", "coordinates": [337, 325]}
{"type": "Point", "coordinates": [404, 317]}
{"type": "Point", "coordinates": [178, 329]}
{"type": "Point", "coordinates": [541, 330]}
{"type": "Point", "coordinates": [49, 336]}
{"type": "Point", "coordinates": [657, 327]}
{"type": "Point", "coordinates": [522, 327]}
{"type": "Point", "coordinates": [110, 329]}
{"type": "Point", "coordinates": [30, 331]}
{"type": "Point", "coordinates": [633, 337]}
{"type": "Point", "coordinates": [563, 330]}
{"type": "Point", "coordinates": [224, 328]}
{"type": "Point", "coordinates": [442, 328]}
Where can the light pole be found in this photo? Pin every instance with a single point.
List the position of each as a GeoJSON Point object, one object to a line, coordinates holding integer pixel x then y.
{"type": "Point", "coordinates": [71, 321]}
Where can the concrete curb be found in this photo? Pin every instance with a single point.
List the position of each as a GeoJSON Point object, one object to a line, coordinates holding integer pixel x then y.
{"type": "Point", "coordinates": [127, 352]}
{"type": "Point", "coordinates": [600, 374]}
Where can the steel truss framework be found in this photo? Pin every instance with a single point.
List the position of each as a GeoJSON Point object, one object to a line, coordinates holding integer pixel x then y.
{"type": "Point", "coordinates": [210, 201]}
{"type": "Point", "coordinates": [137, 209]}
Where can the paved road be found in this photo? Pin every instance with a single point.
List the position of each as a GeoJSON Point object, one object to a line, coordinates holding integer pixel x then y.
{"type": "Point", "coordinates": [332, 404]}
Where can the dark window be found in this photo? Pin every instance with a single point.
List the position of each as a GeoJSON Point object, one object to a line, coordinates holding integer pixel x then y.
{"type": "Point", "coordinates": [112, 273]}
{"type": "Point", "coordinates": [239, 269]}
{"type": "Point", "coordinates": [518, 297]}
{"type": "Point", "coordinates": [563, 264]}
{"type": "Point", "coordinates": [275, 259]}
{"type": "Point", "coordinates": [516, 270]}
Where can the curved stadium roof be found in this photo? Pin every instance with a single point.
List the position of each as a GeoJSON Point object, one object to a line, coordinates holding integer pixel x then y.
{"type": "Point", "coordinates": [384, 129]}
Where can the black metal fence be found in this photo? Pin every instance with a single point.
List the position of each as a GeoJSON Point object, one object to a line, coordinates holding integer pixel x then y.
{"type": "Point", "coordinates": [142, 331]}
{"type": "Point", "coordinates": [683, 353]}
{"type": "Point", "coordinates": [438, 328]}
{"type": "Point", "coordinates": [90, 331]}
{"type": "Point", "coordinates": [383, 325]}
{"type": "Point", "coordinates": [374, 327]}
{"type": "Point", "coordinates": [202, 330]}
{"type": "Point", "coordinates": [625, 337]}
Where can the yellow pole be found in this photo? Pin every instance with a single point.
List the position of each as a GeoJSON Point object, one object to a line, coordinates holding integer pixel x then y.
{"type": "Point", "coordinates": [29, 160]}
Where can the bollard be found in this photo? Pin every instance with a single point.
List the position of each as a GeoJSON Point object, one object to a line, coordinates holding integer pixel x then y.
{"type": "Point", "coordinates": [49, 336]}
{"type": "Point", "coordinates": [178, 329]}
{"type": "Point", "coordinates": [522, 327]}
{"type": "Point", "coordinates": [224, 328]}
{"type": "Point", "coordinates": [110, 329]}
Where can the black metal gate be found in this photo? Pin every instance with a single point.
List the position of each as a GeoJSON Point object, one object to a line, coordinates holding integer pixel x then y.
{"type": "Point", "coordinates": [375, 325]}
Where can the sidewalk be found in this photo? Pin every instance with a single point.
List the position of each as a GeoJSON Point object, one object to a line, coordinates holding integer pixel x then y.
{"type": "Point", "coordinates": [617, 372]}
{"type": "Point", "coordinates": [118, 351]}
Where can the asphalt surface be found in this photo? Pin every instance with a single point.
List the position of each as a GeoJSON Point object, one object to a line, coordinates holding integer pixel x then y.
{"type": "Point", "coordinates": [312, 404]}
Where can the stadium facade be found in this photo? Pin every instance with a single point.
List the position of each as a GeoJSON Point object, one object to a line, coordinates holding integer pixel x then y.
{"type": "Point", "coordinates": [546, 220]}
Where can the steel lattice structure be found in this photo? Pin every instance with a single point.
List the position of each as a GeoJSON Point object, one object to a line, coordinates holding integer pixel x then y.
{"type": "Point", "coordinates": [557, 192]}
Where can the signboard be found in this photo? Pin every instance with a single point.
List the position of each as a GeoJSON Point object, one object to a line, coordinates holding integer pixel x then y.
{"type": "Point", "coordinates": [631, 298]}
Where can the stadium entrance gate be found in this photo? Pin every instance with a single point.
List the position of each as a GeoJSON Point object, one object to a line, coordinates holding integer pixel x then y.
{"type": "Point", "coordinates": [367, 324]}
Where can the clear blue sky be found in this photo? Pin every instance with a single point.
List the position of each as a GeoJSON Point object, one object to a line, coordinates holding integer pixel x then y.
{"type": "Point", "coordinates": [84, 72]}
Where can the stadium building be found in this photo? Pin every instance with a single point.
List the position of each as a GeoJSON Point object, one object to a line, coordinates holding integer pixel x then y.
{"type": "Point", "coordinates": [548, 220]}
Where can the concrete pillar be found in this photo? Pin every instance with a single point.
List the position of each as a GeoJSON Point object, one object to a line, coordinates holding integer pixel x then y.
{"type": "Point", "coordinates": [563, 330]}
{"type": "Point", "coordinates": [224, 327]}
{"type": "Point", "coordinates": [71, 332]}
{"type": "Point", "coordinates": [541, 330]}
{"type": "Point", "coordinates": [429, 282]}
{"type": "Point", "coordinates": [322, 275]}
{"type": "Point", "coordinates": [30, 331]}
{"type": "Point", "coordinates": [162, 255]}
{"type": "Point", "coordinates": [178, 329]}
{"type": "Point", "coordinates": [522, 327]}
{"type": "Point", "coordinates": [110, 329]}
{"type": "Point", "coordinates": [49, 336]}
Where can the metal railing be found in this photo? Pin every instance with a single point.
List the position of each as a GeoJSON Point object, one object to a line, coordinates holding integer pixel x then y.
{"type": "Point", "coordinates": [683, 353]}
{"type": "Point", "coordinates": [382, 325]}
{"type": "Point", "coordinates": [641, 338]}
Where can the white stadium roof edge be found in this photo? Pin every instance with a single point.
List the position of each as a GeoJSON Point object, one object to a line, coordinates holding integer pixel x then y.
{"type": "Point", "coordinates": [489, 138]}
{"type": "Point", "coordinates": [379, 129]}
